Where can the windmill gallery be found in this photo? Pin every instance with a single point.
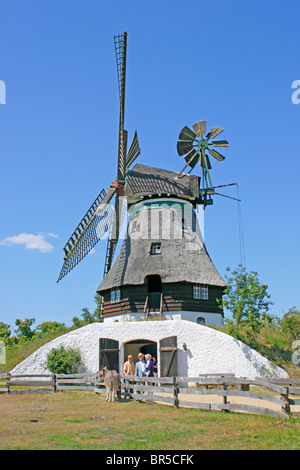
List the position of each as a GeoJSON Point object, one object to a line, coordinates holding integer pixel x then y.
{"type": "Point", "coordinates": [163, 269]}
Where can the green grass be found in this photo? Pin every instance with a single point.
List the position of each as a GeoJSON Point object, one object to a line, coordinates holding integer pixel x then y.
{"type": "Point", "coordinates": [84, 420]}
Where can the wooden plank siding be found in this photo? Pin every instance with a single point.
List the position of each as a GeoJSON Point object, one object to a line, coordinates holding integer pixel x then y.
{"type": "Point", "coordinates": [176, 297]}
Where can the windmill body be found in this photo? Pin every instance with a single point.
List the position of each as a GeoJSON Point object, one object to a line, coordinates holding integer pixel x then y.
{"type": "Point", "coordinates": [163, 267]}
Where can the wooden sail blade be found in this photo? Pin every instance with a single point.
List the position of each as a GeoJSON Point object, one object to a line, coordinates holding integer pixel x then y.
{"type": "Point", "coordinates": [110, 251]}
{"type": "Point", "coordinates": [204, 159]}
{"type": "Point", "coordinates": [214, 132]}
{"type": "Point", "coordinates": [217, 155]}
{"type": "Point", "coordinates": [200, 128]}
{"type": "Point", "coordinates": [112, 239]}
{"type": "Point", "coordinates": [184, 147]}
{"type": "Point", "coordinates": [187, 134]}
{"type": "Point", "coordinates": [220, 143]}
{"type": "Point", "coordinates": [192, 158]}
{"type": "Point", "coordinates": [92, 227]}
{"type": "Point", "coordinates": [134, 151]}
{"type": "Point", "coordinates": [121, 50]}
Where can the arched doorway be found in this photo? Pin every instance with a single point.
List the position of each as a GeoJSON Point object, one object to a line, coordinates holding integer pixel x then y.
{"type": "Point", "coordinates": [144, 346]}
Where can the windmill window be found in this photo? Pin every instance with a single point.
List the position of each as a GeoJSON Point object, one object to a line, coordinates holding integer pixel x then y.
{"type": "Point", "coordinates": [115, 295]}
{"type": "Point", "coordinates": [200, 291]}
{"type": "Point", "coordinates": [155, 248]}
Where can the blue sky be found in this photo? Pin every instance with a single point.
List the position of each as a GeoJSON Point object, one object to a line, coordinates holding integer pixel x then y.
{"type": "Point", "coordinates": [232, 63]}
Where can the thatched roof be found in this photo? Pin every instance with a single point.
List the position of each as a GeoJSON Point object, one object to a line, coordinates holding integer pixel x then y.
{"type": "Point", "coordinates": [143, 181]}
{"type": "Point", "coordinates": [182, 259]}
{"type": "Point", "coordinates": [175, 264]}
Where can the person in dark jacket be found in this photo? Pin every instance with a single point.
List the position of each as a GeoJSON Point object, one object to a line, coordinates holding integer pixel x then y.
{"type": "Point", "coordinates": [149, 366]}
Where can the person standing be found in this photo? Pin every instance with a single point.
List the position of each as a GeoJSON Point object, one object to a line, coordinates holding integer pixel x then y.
{"type": "Point", "coordinates": [129, 369]}
{"type": "Point", "coordinates": [140, 366]}
{"type": "Point", "coordinates": [149, 366]}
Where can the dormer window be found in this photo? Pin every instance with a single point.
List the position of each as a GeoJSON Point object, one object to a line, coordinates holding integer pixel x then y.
{"type": "Point", "coordinates": [155, 248]}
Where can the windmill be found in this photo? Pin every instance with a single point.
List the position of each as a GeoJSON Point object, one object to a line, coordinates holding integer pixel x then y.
{"type": "Point", "coordinates": [194, 144]}
{"type": "Point", "coordinates": [163, 266]}
{"type": "Point", "coordinates": [101, 219]}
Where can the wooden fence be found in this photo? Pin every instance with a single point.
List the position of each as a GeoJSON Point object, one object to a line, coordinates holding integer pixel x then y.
{"type": "Point", "coordinates": [222, 392]}
{"type": "Point", "coordinates": [274, 397]}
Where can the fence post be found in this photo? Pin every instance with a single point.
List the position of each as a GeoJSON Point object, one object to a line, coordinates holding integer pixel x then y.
{"type": "Point", "coordinates": [225, 396]}
{"type": "Point", "coordinates": [285, 397]}
{"type": "Point", "coordinates": [175, 392]}
{"type": "Point", "coordinates": [54, 385]}
{"type": "Point", "coordinates": [7, 383]}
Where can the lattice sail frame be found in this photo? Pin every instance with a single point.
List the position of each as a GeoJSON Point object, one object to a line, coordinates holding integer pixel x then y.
{"type": "Point", "coordinates": [102, 218]}
{"type": "Point", "coordinates": [89, 231]}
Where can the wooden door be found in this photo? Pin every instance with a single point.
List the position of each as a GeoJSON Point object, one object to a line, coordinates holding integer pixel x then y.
{"type": "Point", "coordinates": [109, 354]}
{"type": "Point", "coordinates": [168, 357]}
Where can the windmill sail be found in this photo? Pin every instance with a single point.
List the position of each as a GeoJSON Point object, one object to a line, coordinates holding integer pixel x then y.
{"type": "Point", "coordinates": [112, 241]}
{"type": "Point", "coordinates": [133, 152]}
{"type": "Point", "coordinates": [193, 144]}
{"type": "Point", "coordinates": [102, 219]}
{"type": "Point", "coordinates": [121, 48]}
{"type": "Point", "coordinates": [92, 227]}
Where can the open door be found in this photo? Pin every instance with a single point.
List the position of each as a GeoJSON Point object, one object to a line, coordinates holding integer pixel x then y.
{"type": "Point", "coordinates": [154, 291]}
{"type": "Point", "coordinates": [168, 357]}
{"type": "Point", "coordinates": [109, 354]}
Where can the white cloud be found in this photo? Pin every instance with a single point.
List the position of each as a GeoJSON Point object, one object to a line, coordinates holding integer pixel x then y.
{"type": "Point", "coordinates": [31, 241]}
{"type": "Point", "coordinates": [52, 235]}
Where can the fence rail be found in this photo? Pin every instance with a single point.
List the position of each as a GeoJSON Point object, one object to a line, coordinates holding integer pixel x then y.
{"type": "Point", "coordinates": [206, 392]}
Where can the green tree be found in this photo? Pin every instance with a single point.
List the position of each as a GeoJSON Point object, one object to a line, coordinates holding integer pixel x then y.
{"type": "Point", "coordinates": [5, 331]}
{"type": "Point", "coordinates": [76, 322]}
{"type": "Point", "coordinates": [87, 316]}
{"type": "Point", "coordinates": [290, 324]}
{"type": "Point", "coordinates": [248, 301]}
{"type": "Point", "coordinates": [63, 360]}
{"type": "Point", "coordinates": [98, 312]}
{"type": "Point", "coordinates": [5, 335]}
{"type": "Point", "coordinates": [24, 331]}
{"type": "Point", "coordinates": [48, 327]}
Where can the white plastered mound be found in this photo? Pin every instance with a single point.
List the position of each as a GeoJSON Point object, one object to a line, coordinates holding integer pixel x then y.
{"type": "Point", "coordinates": [208, 351]}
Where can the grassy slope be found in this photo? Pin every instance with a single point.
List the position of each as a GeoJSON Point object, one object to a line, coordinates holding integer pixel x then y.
{"type": "Point", "coordinates": [19, 352]}
{"type": "Point", "coordinates": [274, 346]}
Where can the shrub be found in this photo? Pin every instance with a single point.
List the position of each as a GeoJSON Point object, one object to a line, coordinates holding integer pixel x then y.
{"type": "Point", "coordinates": [290, 324]}
{"type": "Point", "coordinates": [63, 360]}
